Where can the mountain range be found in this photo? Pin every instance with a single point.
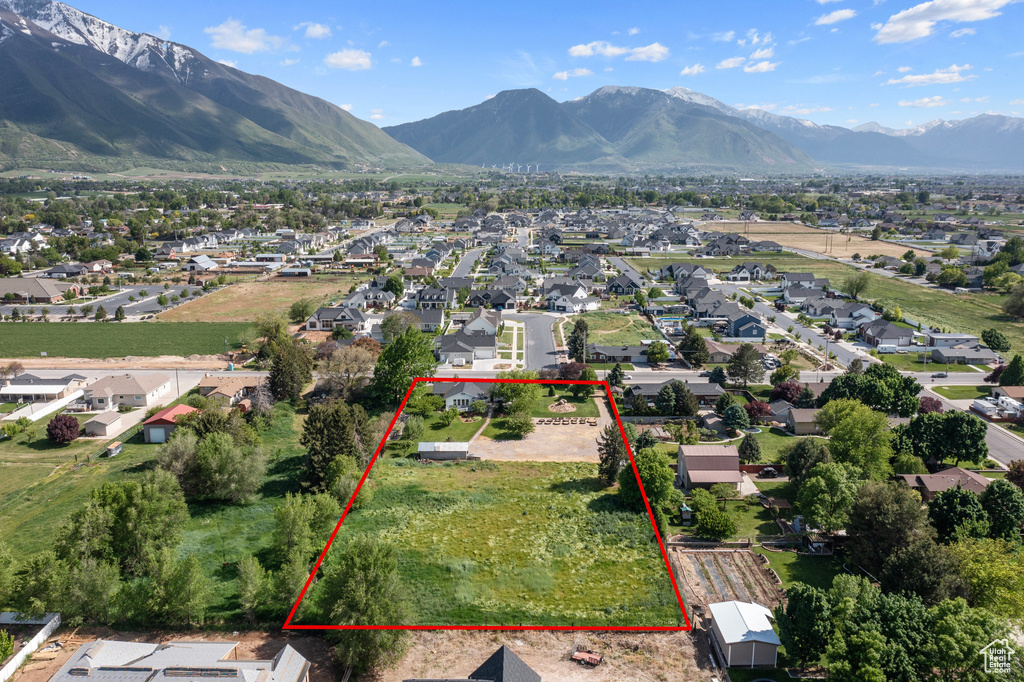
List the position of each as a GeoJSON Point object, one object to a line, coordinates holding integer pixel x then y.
{"type": "Point", "coordinates": [80, 92]}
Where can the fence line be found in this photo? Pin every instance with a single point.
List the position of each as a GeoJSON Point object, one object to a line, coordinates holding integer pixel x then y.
{"type": "Point", "coordinates": [50, 622]}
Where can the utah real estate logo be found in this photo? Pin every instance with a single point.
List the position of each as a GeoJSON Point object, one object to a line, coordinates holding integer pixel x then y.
{"type": "Point", "coordinates": [998, 656]}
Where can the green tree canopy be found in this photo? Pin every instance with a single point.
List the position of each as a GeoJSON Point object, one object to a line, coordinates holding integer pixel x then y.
{"type": "Point", "coordinates": [408, 356]}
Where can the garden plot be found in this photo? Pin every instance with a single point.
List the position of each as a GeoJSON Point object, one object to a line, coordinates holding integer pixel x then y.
{"type": "Point", "coordinates": [714, 576]}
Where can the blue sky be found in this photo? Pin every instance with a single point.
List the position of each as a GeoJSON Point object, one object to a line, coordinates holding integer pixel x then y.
{"type": "Point", "coordinates": [897, 62]}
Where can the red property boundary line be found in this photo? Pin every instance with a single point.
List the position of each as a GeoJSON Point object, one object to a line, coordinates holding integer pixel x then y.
{"type": "Point", "coordinates": [288, 625]}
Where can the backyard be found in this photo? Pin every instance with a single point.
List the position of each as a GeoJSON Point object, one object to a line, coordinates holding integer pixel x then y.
{"type": "Point", "coordinates": [116, 339]}
{"type": "Point", "coordinates": [515, 543]}
{"type": "Point", "coordinates": [617, 329]}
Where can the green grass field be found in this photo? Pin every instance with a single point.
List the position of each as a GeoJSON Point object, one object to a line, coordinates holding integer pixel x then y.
{"type": "Point", "coordinates": [585, 407]}
{"type": "Point", "coordinates": [775, 442]}
{"type": "Point", "coordinates": [616, 329]}
{"type": "Point", "coordinates": [103, 340]}
{"type": "Point", "coordinates": [971, 313]}
{"type": "Point", "coordinates": [32, 446]}
{"type": "Point", "coordinates": [910, 363]}
{"type": "Point", "coordinates": [963, 392]}
{"type": "Point", "coordinates": [515, 543]}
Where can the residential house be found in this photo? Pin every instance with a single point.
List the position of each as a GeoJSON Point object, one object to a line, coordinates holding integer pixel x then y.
{"type": "Point", "coordinates": [516, 285]}
{"type": "Point", "coordinates": [821, 305]}
{"type": "Point", "coordinates": [430, 319]}
{"type": "Point", "coordinates": [564, 303]}
{"type": "Point", "coordinates": [881, 333]}
{"type": "Point", "coordinates": [462, 348]}
{"type": "Point", "coordinates": [502, 666]}
{"type": "Point", "coordinates": [365, 299]}
{"type": "Point", "coordinates": [432, 297]}
{"type": "Point", "coordinates": [633, 354]}
{"type": "Point", "coordinates": [327, 319]}
{"type": "Point", "coordinates": [107, 660]}
{"type": "Point", "coordinates": [706, 392]}
{"type": "Point", "coordinates": [483, 321]}
{"type": "Point", "coordinates": [852, 316]}
{"type": "Point", "coordinates": [36, 290]}
{"type": "Point", "coordinates": [745, 325]}
{"type": "Point", "coordinates": [950, 340]}
{"type": "Point", "coordinates": [142, 390]}
{"type": "Point", "coordinates": [929, 485]}
{"type": "Point", "coordinates": [30, 388]}
{"type": "Point", "coordinates": [498, 300]}
{"type": "Point", "coordinates": [802, 422]}
{"type": "Point", "coordinates": [962, 355]}
{"type": "Point", "coordinates": [462, 394]}
{"type": "Point", "coordinates": [743, 635]}
{"type": "Point", "coordinates": [159, 427]}
{"type": "Point", "coordinates": [748, 272]}
{"type": "Point", "coordinates": [702, 466]}
{"type": "Point", "coordinates": [231, 389]}
{"type": "Point", "coordinates": [678, 271]}
{"type": "Point", "coordinates": [624, 285]}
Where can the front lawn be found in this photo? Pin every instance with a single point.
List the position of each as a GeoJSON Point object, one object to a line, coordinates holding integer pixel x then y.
{"type": "Point", "coordinates": [962, 392]}
{"type": "Point", "coordinates": [909, 363]}
{"type": "Point", "coordinates": [616, 329]}
{"type": "Point", "coordinates": [489, 543]}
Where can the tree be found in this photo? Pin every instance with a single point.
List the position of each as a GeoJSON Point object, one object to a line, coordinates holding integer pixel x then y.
{"type": "Point", "coordinates": [856, 284]}
{"type": "Point", "coordinates": [226, 471]}
{"type": "Point", "coordinates": [518, 424]}
{"type": "Point", "coordinates": [616, 375]}
{"type": "Point", "coordinates": [611, 452]}
{"type": "Point", "coordinates": [63, 429]}
{"type": "Point", "coordinates": [362, 586]}
{"type": "Point", "coordinates": [881, 387]}
{"type": "Point", "coordinates": [925, 569]}
{"type": "Point", "coordinates": [862, 439]}
{"type": "Point", "coordinates": [806, 400]}
{"type": "Point", "coordinates": [804, 623]}
{"type": "Point", "coordinates": [395, 324]}
{"type": "Point", "coordinates": [1013, 375]}
{"type": "Point", "coordinates": [656, 478]}
{"type": "Point", "coordinates": [1003, 503]}
{"type": "Point", "coordinates": [577, 342]}
{"type": "Point", "coordinates": [693, 348]}
{"type": "Point", "coordinates": [876, 233]}
{"type": "Point", "coordinates": [665, 401]}
{"type": "Point", "coordinates": [640, 299]}
{"type": "Point", "coordinates": [571, 371]}
{"type": "Point", "coordinates": [657, 352]}
{"type": "Point", "coordinates": [6, 645]}
{"type": "Point", "coordinates": [735, 418]}
{"type": "Point", "coordinates": [909, 255]}
{"type": "Point", "coordinates": [101, 313]}
{"type": "Point", "coordinates": [714, 524]}
{"type": "Point", "coordinates": [1015, 473]}
{"type": "Point", "coordinates": [963, 438]}
{"type": "Point", "coordinates": [723, 403]}
{"type": "Point", "coordinates": [784, 374]}
{"type": "Point", "coordinates": [886, 518]}
{"type": "Point", "coordinates": [717, 376]}
{"type": "Point", "coordinates": [291, 370]}
{"type": "Point", "coordinates": [994, 573]}
{"type": "Point", "coordinates": [803, 457]}
{"type": "Point", "coordinates": [757, 409]}
{"type": "Point", "coordinates": [253, 586]}
{"type": "Point", "coordinates": [408, 356]}
{"type": "Point", "coordinates": [958, 511]}
{"type": "Point", "coordinates": [786, 390]}
{"type": "Point", "coordinates": [750, 450]}
{"type": "Point", "coordinates": [161, 300]}
{"type": "Point", "coordinates": [930, 405]}
{"type": "Point", "coordinates": [1014, 303]}
{"type": "Point", "coordinates": [449, 415]}
{"type": "Point", "coordinates": [745, 365]}
{"type": "Point", "coordinates": [346, 371]}
{"type": "Point", "coordinates": [827, 495]}
{"type": "Point", "coordinates": [187, 592]}
{"type": "Point", "coordinates": [334, 431]}
{"type": "Point", "coordinates": [585, 390]}
{"type": "Point", "coordinates": [950, 253]}
{"type": "Point", "coordinates": [301, 310]}
{"type": "Point", "coordinates": [478, 407]}
{"type": "Point", "coordinates": [143, 255]}
{"type": "Point", "coordinates": [996, 340]}
{"type": "Point", "coordinates": [395, 284]}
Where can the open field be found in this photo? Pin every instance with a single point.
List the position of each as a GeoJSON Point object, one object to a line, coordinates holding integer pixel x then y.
{"type": "Point", "coordinates": [971, 313]}
{"type": "Point", "coordinates": [242, 302]}
{"type": "Point", "coordinates": [909, 362]}
{"type": "Point", "coordinates": [638, 657]}
{"type": "Point", "coordinates": [510, 543]}
{"type": "Point", "coordinates": [813, 239]}
{"type": "Point", "coordinates": [616, 329]}
{"type": "Point", "coordinates": [116, 339]}
{"type": "Point", "coordinates": [962, 392]}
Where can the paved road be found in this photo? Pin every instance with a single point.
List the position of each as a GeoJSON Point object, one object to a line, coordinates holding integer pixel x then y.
{"type": "Point", "coordinates": [142, 306]}
{"type": "Point", "coordinates": [468, 262]}
{"type": "Point", "coordinates": [1003, 446]}
{"type": "Point", "coordinates": [626, 268]}
{"type": "Point", "coordinates": [540, 339]}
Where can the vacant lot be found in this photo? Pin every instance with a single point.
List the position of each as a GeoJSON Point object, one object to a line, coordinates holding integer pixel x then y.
{"type": "Point", "coordinates": [116, 339]}
{"type": "Point", "coordinates": [616, 329]}
{"type": "Point", "coordinates": [515, 543]}
{"type": "Point", "coordinates": [962, 392]}
{"type": "Point", "coordinates": [812, 239]}
{"type": "Point", "coordinates": [242, 302]}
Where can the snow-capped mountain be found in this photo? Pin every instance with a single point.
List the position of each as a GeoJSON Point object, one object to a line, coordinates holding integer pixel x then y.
{"type": "Point", "coordinates": [873, 127]}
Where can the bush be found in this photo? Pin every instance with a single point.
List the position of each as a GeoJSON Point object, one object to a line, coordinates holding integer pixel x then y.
{"type": "Point", "coordinates": [63, 429]}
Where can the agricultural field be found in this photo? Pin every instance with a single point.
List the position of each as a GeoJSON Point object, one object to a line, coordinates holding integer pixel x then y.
{"type": "Point", "coordinates": [242, 302]}
{"type": "Point", "coordinates": [971, 313]}
{"type": "Point", "coordinates": [514, 543]}
{"type": "Point", "coordinates": [813, 239]}
{"type": "Point", "coordinates": [116, 339]}
{"type": "Point", "coordinates": [616, 329]}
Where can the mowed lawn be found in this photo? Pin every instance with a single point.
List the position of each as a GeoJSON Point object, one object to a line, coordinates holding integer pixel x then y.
{"type": "Point", "coordinates": [962, 392]}
{"type": "Point", "coordinates": [971, 313]}
{"type": "Point", "coordinates": [32, 445]}
{"type": "Point", "coordinates": [616, 329]}
{"type": "Point", "coordinates": [116, 339]}
{"type": "Point", "coordinates": [242, 302]}
{"type": "Point", "coordinates": [514, 543]}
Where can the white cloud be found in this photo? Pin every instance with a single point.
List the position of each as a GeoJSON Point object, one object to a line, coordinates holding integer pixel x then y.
{"type": "Point", "coordinates": [756, 39]}
{"type": "Point", "coordinates": [314, 30]}
{"type": "Point", "coordinates": [873, 104]}
{"type": "Point", "coordinates": [724, 36]}
{"type": "Point", "coordinates": [351, 60]}
{"type": "Point", "coordinates": [919, 21]}
{"type": "Point", "coordinates": [730, 63]}
{"type": "Point", "coordinates": [764, 53]}
{"type": "Point", "coordinates": [961, 32]}
{"type": "Point", "coordinates": [395, 60]}
{"type": "Point", "coordinates": [633, 31]}
{"type": "Point", "coordinates": [692, 70]}
{"type": "Point", "coordinates": [1015, 102]}
{"type": "Point", "coordinates": [975, 99]}
{"type": "Point", "coordinates": [416, 62]}
{"type": "Point", "coordinates": [575, 73]}
{"type": "Point", "coordinates": [835, 17]}
{"type": "Point", "coordinates": [803, 111]}
{"type": "Point", "coordinates": [904, 69]}
{"type": "Point", "coordinates": [825, 2]}
{"type": "Point", "coordinates": [761, 107]}
{"type": "Point", "coordinates": [346, 107]}
{"type": "Point", "coordinates": [233, 35]}
{"type": "Point", "coordinates": [940, 77]}
{"type": "Point", "coordinates": [163, 33]}
{"type": "Point", "coordinates": [382, 44]}
{"type": "Point", "coordinates": [376, 114]}
{"type": "Point", "coordinates": [228, 62]}
{"type": "Point", "coordinates": [924, 102]}
{"type": "Point", "coordinates": [760, 67]}
{"type": "Point", "coordinates": [289, 62]}
{"type": "Point", "coordinates": [851, 121]}
{"type": "Point", "coordinates": [655, 52]}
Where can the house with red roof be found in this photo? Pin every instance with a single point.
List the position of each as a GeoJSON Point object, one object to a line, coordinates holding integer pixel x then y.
{"type": "Point", "coordinates": [159, 427]}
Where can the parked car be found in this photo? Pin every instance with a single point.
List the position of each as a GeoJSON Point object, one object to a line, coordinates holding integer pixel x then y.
{"type": "Point", "coordinates": [628, 377]}
{"type": "Point", "coordinates": [939, 375]}
{"type": "Point", "coordinates": [768, 472]}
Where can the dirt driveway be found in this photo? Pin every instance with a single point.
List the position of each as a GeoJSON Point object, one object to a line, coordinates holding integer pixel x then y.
{"type": "Point", "coordinates": [548, 442]}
